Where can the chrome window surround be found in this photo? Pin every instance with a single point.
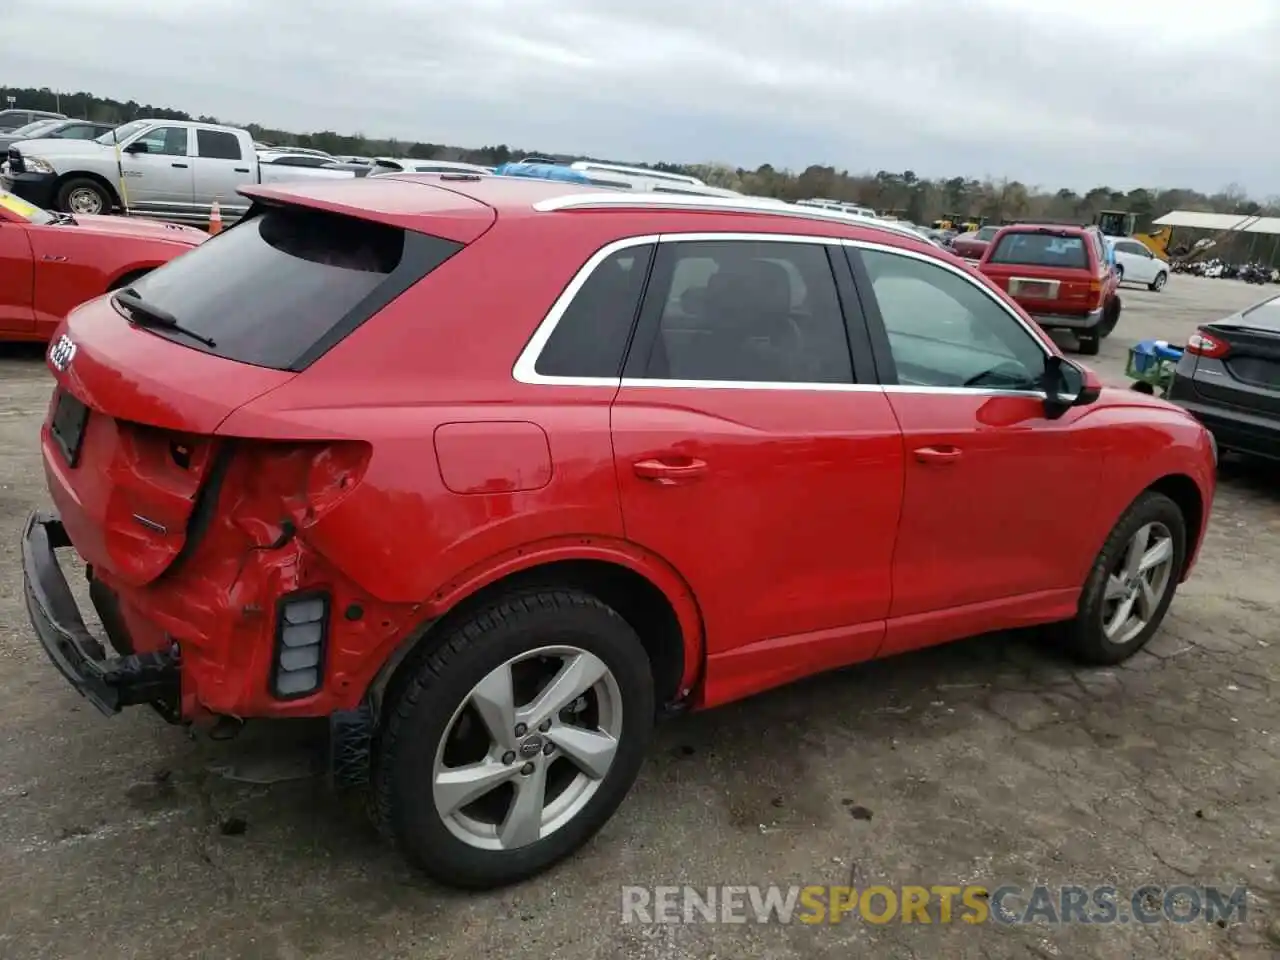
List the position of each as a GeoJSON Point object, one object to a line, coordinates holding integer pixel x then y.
{"type": "Point", "coordinates": [525, 372]}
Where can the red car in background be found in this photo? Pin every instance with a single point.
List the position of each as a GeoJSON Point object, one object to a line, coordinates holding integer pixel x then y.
{"type": "Point", "coordinates": [53, 262]}
{"type": "Point", "coordinates": [973, 245]}
{"type": "Point", "coordinates": [1060, 274]}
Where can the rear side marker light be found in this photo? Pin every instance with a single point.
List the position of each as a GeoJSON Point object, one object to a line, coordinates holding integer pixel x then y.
{"type": "Point", "coordinates": [302, 629]}
{"type": "Point", "coordinates": [1205, 345]}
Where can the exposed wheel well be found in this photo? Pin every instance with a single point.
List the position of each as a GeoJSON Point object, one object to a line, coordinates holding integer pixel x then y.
{"type": "Point", "coordinates": [84, 175]}
{"type": "Point", "coordinates": [635, 598]}
{"type": "Point", "coordinates": [1183, 491]}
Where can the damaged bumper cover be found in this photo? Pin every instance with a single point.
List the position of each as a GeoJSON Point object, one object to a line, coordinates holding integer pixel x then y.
{"type": "Point", "coordinates": [108, 682]}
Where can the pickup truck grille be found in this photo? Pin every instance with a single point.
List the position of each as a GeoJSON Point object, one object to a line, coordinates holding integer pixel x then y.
{"type": "Point", "coordinates": [15, 161]}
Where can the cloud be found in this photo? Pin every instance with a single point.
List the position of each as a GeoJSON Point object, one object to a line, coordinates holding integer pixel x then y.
{"type": "Point", "coordinates": [1057, 94]}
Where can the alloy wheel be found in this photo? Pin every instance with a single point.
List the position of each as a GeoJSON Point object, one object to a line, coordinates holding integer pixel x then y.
{"type": "Point", "coordinates": [1137, 584]}
{"type": "Point", "coordinates": [527, 748]}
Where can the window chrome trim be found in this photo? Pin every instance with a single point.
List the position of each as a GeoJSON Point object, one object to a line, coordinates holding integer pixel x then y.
{"type": "Point", "coordinates": [524, 370]}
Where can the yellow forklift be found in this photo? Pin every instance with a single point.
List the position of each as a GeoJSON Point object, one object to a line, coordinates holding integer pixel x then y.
{"type": "Point", "coordinates": [1116, 223]}
{"type": "Point", "coordinates": [960, 224]}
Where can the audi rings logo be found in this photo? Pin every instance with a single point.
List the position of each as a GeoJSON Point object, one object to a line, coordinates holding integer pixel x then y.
{"type": "Point", "coordinates": [62, 352]}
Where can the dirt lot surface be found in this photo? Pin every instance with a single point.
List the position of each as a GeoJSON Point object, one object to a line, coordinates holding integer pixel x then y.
{"type": "Point", "coordinates": [990, 761]}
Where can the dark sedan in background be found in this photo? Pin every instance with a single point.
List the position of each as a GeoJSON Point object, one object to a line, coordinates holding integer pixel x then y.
{"type": "Point", "coordinates": [53, 129]}
{"type": "Point", "coordinates": [1229, 379]}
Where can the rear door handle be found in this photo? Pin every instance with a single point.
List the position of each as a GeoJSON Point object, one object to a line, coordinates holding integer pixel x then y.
{"type": "Point", "coordinates": [938, 455]}
{"type": "Point", "coordinates": [242, 169]}
{"type": "Point", "coordinates": [668, 473]}
{"type": "Point", "coordinates": [181, 166]}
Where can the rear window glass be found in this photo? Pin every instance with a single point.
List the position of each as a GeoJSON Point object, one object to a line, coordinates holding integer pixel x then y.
{"type": "Point", "coordinates": [285, 283]}
{"type": "Point", "coordinates": [1264, 315]}
{"type": "Point", "coordinates": [1041, 250]}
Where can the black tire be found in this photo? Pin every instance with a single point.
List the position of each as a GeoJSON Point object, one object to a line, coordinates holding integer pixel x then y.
{"type": "Point", "coordinates": [1088, 344]}
{"type": "Point", "coordinates": [1110, 317]}
{"type": "Point", "coordinates": [1120, 272]}
{"type": "Point", "coordinates": [68, 191]}
{"type": "Point", "coordinates": [405, 749]}
{"type": "Point", "coordinates": [1143, 387]}
{"type": "Point", "coordinates": [1158, 283]}
{"type": "Point", "coordinates": [1084, 635]}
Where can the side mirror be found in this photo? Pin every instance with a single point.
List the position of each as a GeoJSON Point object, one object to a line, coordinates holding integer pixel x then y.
{"type": "Point", "coordinates": [1068, 384]}
{"type": "Point", "coordinates": [138, 146]}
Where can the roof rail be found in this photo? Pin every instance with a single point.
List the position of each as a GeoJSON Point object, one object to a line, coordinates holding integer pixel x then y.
{"type": "Point", "coordinates": [744, 204]}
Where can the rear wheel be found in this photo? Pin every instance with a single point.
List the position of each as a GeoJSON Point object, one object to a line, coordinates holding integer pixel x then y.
{"type": "Point", "coordinates": [1110, 317]}
{"type": "Point", "coordinates": [515, 740]}
{"type": "Point", "coordinates": [1089, 343]}
{"type": "Point", "coordinates": [1132, 582]}
{"type": "Point", "coordinates": [1158, 283]}
{"type": "Point", "coordinates": [84, 197]}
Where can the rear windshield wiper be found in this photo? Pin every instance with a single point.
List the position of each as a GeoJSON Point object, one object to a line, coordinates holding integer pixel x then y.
{"type": "Point", "coordinates": [148, 315]}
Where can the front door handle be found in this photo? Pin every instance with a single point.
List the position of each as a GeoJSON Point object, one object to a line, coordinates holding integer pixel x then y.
{"type": "Point", "coordinates": [938, 455]}
{"type": "Point", "coordinates": [665, 472]}
{"type": "Point", "coordinates": [182, 166]}
{"type": "Point", "coordinates": [51, 258]}
{"type": "Point", "coordinates": [242, 169]}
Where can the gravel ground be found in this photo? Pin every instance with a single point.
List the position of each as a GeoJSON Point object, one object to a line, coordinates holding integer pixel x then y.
{"type": "Point", "coordinates": [990, 761]}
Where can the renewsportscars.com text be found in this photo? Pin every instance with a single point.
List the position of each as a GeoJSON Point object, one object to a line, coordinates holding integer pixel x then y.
{"type": "Point", "coordinates": [939, 903]}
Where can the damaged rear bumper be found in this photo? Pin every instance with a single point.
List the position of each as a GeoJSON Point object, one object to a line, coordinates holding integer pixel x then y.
{"type": "Point", "coordinates": [108, 682]}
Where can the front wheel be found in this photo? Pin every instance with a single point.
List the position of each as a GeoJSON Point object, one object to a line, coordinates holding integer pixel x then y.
{"type": "Point", "coordinates": [1132, 582]}
{"type": "Point", "coordinates": [83, 197]}
{"type": "Point", "coordinates": [1158, 283]}
{"type": "Point", "coordinates": [515, 740]}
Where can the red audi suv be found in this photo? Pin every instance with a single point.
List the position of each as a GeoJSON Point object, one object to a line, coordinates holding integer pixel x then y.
{"type": "Point", "coordinates": [494, 473]}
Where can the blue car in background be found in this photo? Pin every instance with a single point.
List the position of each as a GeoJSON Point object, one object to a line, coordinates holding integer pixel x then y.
{"type": "Point", "coordinates": [542, 171]}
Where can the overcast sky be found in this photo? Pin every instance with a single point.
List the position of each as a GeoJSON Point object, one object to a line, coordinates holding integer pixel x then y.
{"type": "Point", "coordinates": [1051, 92]}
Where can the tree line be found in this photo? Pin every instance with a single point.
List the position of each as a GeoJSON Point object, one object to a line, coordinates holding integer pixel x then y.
{"type": "Point", "coordinates": [903, 194]}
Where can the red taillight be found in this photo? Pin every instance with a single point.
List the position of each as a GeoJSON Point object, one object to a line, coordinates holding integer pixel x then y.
{"type": "Point", "coordinates": [1204, 344]}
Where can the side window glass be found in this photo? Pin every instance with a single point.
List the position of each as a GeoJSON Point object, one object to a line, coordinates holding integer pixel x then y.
{"type": "Point", "coordinates": [946, 331]}
{"type": "Point", "coordinates": [751, 311]}
{"type": "Point", "coordinates": [591, 336]}
{"type": "Point", "coordinates": [1100, 250]}
{"type": "Point", "coordinates": [217, 145]}
{"type": "Point", "coordinates": [166, 141]}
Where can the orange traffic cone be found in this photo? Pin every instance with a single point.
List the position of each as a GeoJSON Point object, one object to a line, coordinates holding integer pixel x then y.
{"type": "Point", "coordinates": [215, 218]}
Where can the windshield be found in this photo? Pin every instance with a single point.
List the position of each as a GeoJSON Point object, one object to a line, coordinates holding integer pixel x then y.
{"type": "Point", "coordinates": [33, 128]}
{"type": "Point", "coordinates": [122, 133]}
{"type": "Point", "coordinates": [1041, 250]}
{"type": "Point", "coordinates": [986, 233]}
{"type": "Point", "coordinates": [19, 207]}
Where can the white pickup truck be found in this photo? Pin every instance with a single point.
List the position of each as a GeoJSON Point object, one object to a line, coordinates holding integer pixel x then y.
{"type": "Point", "coordinates": [168, 169]}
